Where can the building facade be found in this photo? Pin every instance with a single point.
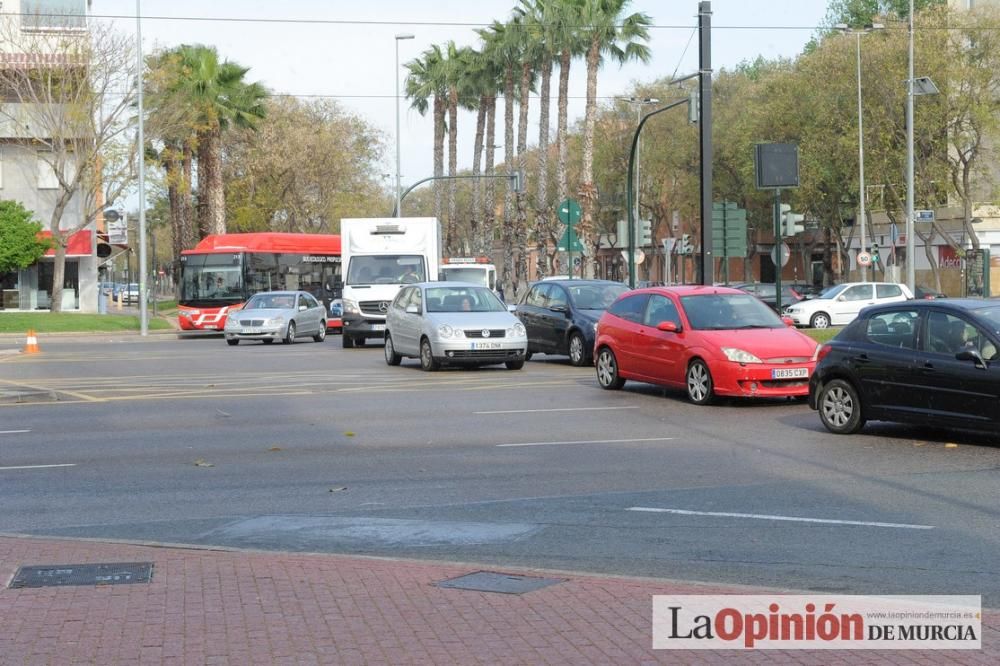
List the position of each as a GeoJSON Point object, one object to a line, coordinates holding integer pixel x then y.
{"type": "Point", "coordinates": [27, 176]}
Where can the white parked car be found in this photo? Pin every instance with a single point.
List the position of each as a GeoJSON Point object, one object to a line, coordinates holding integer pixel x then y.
{"type": "Point", "coordinates": [840, 304]}
{"type": "Point", "coordinates": [453, 323]}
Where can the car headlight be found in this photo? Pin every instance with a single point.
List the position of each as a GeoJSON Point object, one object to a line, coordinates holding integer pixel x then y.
{"type": "Point", "coordinates": [231, 323]}
{"type": "Point", "coordinates": [516, 331]}
{"type": "Point", "coordinates": [351, 307]}
{"type": "Point", "coordinates": [276, 321]}
{"type": "Point", "coordinates": [739, 356]}
{"type": "Point", "coordinates": [445, 331]}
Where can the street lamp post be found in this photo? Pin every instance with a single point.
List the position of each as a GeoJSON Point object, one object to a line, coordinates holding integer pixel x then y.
{"type": "Point", "coordinates": [861, 138]}
{"type": "Point", "coordinates": [143, 315]}
{"type": "Point", "coordinates": [396, 77]}
{"type": "Point", "coordinates": [638, 103]}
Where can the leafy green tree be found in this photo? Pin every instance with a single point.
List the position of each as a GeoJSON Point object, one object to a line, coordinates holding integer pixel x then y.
{"type": "Point", "coordinates": [20, 243]}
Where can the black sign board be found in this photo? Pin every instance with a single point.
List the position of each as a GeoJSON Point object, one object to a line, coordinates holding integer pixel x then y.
{"type": "Point", "coordinates": [777, 165]}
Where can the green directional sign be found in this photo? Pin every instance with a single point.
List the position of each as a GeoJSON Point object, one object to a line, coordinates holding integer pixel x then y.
{"type": "Point", "coordinates": [729, 230]}
{"type": "Point", "coordinates": [569, 242]}
{"type": "Point", "coordinates": [569, 212]}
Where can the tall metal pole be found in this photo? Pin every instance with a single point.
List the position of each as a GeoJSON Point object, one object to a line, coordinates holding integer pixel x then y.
{"type": "Point", "coordinates": [707, 272]}
{"type": "Point", "coordinates": [396, 77]}
{"type": "Point", "coordinates": [911, 253]}
{"type": "Point", "coordinates": [143, 315]}
{"type": "Point", "coordinates": [861, 168]}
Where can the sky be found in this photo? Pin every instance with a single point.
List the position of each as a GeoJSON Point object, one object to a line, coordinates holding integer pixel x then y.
{"type": "Point", "coordinates": [346, 50]}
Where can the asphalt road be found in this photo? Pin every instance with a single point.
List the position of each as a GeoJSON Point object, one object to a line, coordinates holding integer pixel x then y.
{"type": "Point", "coordinates": [312, 447]}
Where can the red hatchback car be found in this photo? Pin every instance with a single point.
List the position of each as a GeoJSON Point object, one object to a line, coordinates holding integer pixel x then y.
{"type": "Point", "coordinates": [708, 340]}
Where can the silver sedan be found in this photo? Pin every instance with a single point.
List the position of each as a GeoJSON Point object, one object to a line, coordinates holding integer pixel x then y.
{"type": "Point", "coordinates": [277, 315]}
{"type": "Point", "coordinates": [453, 323]}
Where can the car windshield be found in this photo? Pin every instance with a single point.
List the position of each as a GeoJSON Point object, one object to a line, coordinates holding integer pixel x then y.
{"type": "Point", "coordinates": [832, 292]}
{"type": "Point", "coordinates": [271, 302]}
{"type": "Point", "coordinates": [728, 312]}
{"type": "Point", "coordinates": [462, 299]}
{"type": "Point", "coordinates": [991, 315]}
{"type": "Point", "coordinates": [595, 296]}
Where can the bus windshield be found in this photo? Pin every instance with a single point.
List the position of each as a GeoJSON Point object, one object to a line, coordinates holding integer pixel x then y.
{"type": "Point", "coordinates": [212, 279]}
{"type": "Point", "coordinates": [386, 269]}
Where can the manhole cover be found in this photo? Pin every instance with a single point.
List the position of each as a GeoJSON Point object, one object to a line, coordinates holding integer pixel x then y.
{"type": "Point", "coordinates": [55, 575]}
{"type": "Point", "coordinates": [491, 581]}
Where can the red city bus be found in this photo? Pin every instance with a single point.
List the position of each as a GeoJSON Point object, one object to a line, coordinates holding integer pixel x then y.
{"type": "Point", "coordinates": [224, 270]}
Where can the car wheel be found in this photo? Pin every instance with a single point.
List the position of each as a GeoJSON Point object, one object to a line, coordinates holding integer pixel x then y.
{"type": "Point", "coordinates": [290, 333]}
{"type": "Point", "coordinates": [699, 383]}
{"type": "Point", "coordinates": [321, 336]}
{"type": "Point", "coordinates": [820, 320]}
{"type": "Point", "coordinates": [267, 341]}
{"type": "Point", "coordinates": [577, 350]}
{"type": "Point", "coordinates": [514, 365]}
{"type": "Point", "coordinates": [391, 357]}
{"type": "Point", "coordinates": [840, 407]}
{"type": "Point", "coordinates": [233, 342]}
{"type": "Point", "coordinates": [427, 361]}
{"type": "Point", "coordinates": [607, 370]}
{"type": "Point", "coordinates": [347, 341]}
{"type": "Point", "coordinates": [360, 341]}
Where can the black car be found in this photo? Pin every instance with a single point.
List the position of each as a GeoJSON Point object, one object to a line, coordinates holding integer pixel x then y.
{"type": "Point", "coordinates": [927, 293]}
{"type": "Point", "coordinates": [931, 362]}
{"type": "Point", "coordinates": [559, 316]}
{"type": "Point", "coordinates": [766, 292]}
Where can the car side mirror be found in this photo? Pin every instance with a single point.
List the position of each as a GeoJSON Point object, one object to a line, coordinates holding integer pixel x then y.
{"type": "Point", "coordinates": [303, 308]}
{"type": "Point", "coordinates": [788, 322]}
{"type": "Point", "coordinates": [412, 309]}
{"type": "Point", "coordinates": [971, 355]}
{"type": "Point", "coordinates": [668, 327]}
{"type": "Point", "coordinates": [559, 308]}
{"type": "Point", "coordinates": [840, 299]}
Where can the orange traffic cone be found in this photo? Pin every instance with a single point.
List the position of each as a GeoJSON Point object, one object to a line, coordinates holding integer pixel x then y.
{"type": "Point", "coordinates": [31, 344]}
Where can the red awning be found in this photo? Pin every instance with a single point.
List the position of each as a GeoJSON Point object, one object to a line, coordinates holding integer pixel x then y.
{"type": "Point", "coordinates": [79, 244]}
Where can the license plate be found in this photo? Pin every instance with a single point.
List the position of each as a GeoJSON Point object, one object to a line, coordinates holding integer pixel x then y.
{"type": "Point", "coordinates": [487, 345]}
{"type": "Point", "coordinates": [250, 331]}
{"type": "Point", "coordinates": [789, 373]}
{"type": "Point", "coordinates": [378, 327]}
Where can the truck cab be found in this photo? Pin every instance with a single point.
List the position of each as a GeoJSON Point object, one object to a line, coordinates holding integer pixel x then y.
{"type": "Point", "coordinates": [477, 270]}
{"type": "Point", "coordinates": [379, 256]}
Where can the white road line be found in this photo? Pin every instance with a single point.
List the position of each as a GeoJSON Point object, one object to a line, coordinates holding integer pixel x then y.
{"type": "Point", "coordinates": [589, 441]}
{"type": "Point", "coordinates": [12, 432]}
{"type": "Point", "coordinates": [556, 409]}
{"type": "Point", "coordinates": [38, 466]}
{"type": "Point", "coordinates": [794, 519]}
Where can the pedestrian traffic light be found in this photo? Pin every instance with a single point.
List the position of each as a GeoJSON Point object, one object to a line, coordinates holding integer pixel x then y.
{"type": "Point", "coordinates": [645, 235]}
{"type": "Point", "coordinates": [685, 247]}
{"type": "Point", "coordinates": [790, 222]}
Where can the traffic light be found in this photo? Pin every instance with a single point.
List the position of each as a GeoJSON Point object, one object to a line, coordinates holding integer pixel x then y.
{"type": "Point", "coordinates": [790, 221]}
{"type": "Point", "coordinates": [685, 246]}
{"type": "Point", "coordinates": [645, 235]}
{"type": "Point", "coordinates": [875, 257]}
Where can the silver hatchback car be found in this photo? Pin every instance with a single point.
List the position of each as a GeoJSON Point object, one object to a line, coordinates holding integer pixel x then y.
{"type": "Point", "coordinates": [453, 323]}
{"type": "Point", "coordinates": [277, 315]}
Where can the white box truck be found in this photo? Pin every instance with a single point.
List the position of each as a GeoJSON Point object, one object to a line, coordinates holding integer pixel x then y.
{"type": "Point", "coordinates": [380, 255]}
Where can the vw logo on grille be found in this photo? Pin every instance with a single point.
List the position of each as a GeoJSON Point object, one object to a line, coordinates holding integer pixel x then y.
{"type": "Point", "coordinates": [486, 332]}
{"type": "Point", "coordinates": [383, 307]}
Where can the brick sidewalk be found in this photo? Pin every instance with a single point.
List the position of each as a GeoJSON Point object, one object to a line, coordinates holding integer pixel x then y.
{"type": "Point", "coordinates": [240, 607]}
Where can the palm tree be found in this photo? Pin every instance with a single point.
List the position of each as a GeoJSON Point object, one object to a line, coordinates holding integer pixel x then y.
{"type": "Point", "coordinates": [503, 46]}
{"type": "Point", "coordinates": [425, 82]}
{"type": "Point", "coordinates": [455, 70]}
{"type": "Point", "coordinates": [528, 38]}
{"type": "Point", "coordinates": [606, 32]}
{"type": "Point", "coordinates": [221, 99]}
{"type": "Point", "coordinates": [545, 18]}
{"type": "Point", "coordinates": [482, 78]}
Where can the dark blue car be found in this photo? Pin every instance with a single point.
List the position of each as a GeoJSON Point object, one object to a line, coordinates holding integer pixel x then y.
{"type": "Point", "coordinates": [559, 316]}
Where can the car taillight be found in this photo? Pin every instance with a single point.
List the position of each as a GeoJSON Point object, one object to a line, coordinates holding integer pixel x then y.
{"type": "Point", "coordinates": [821, 351]}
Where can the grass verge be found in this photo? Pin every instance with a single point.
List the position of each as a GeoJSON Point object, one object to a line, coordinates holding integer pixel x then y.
{"type": "Point", "coordinates": [821, 335]}
{"type": "Point", "coordinates": [73, 322]}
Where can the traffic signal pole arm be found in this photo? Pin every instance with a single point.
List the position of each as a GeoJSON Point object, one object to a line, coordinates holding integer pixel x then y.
{"type": "Point", "coordinates": [629, 184]}
{"type": "Point", "coordinates": [516, 181]}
